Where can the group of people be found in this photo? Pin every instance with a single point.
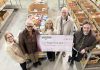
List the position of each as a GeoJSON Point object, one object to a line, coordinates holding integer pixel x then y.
{"type": "Point", "coordinates": [26, 48]}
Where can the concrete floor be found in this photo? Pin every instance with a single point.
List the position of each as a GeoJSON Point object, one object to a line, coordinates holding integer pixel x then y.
{"type": "Point", "coordinates": [17, 24]}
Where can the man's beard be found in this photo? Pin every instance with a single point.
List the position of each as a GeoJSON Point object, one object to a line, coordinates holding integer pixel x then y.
{"type": "Point", "coordinates": [85, 33]}
{"type": "Point", "coordinates": [65, 18]}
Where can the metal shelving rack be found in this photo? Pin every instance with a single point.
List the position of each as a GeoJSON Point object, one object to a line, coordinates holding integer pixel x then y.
{"type": "Point", "coordinates": [61, 3]}
{"type": "Point", "coordinates": [10, 7]}
{"type": "Point", "coordinates": [85, 66]}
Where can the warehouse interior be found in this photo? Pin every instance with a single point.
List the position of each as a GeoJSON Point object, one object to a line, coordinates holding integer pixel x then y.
{"type": "Point", "coordinates": [14, 13]}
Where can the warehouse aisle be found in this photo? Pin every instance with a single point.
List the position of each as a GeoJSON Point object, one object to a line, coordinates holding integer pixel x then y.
{"type": "Point", "coordinates": [16, 25]}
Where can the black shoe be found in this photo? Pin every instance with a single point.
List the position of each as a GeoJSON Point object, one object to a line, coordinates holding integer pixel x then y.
{"type": "Point", "coordinates": [39, 63]}
{"type": "Point", "coordinates": [71, 63]}
{"type": "Point", "coordinates": [35, 65]}
{"type": "Point", "coordinates": [51, 60]}
{"type": "Point", "coordinates": [69, 59]}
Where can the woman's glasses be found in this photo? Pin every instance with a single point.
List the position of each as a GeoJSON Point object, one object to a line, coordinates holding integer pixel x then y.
{"type": "Point", "coordinates": [29, 26]}
{"type": "Point", "coordinates": [9, 37]}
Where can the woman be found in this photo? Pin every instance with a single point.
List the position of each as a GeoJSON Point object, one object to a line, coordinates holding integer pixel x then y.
{"type": "Point", "coordinates": [49, 30]}
{"type": "Point", "coordinates": [28, 43]}
{"type": "Point", "coordinates": [14, 51]}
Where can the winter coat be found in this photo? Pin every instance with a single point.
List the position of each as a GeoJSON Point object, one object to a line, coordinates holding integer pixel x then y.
{"type": "Point", "coordinates": [14, 51]}
{"type": "Point", "coordinates": [87, 44]}
{"type": "Point", "coordinates": [67, 26]}
{"type": "Point", "coordinates": [28, 44]}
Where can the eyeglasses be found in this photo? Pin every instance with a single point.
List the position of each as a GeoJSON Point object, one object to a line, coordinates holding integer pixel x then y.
{"type": "Point", "coordinates": [63, 12]}
{"type": "Point", "coordinates": [29, 26]}
{"type": "Point", "coordinates": [9, 37]}
{"type": "Point", "coordinates": [49, 23]}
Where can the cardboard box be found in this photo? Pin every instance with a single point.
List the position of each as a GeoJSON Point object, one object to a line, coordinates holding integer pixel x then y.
{"type": "Point", "coordinates": [2, 2]}
{"type": "Point", "coordinates": [75, 8]}
{"type": "Point", "coordinates": [38, 8]}
{"type": "Point", "coordinates": [81, 19]}
{"type": "Point", "coordinates": [3, 15]}
{"type": "Point", "coordinates": [79, 14]}
{"type": "Point", "coordinates": [97, 19]}
{"type": "Point", "coordinates": [96, 13]}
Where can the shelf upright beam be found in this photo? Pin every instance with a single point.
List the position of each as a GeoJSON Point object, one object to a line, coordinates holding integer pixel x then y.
{"type": "Point", "coordinates": [20, 4]}
{"type": "Point", "coordinates": [11, 2]}
{"type": "Point", "coordinates": [16, 3]}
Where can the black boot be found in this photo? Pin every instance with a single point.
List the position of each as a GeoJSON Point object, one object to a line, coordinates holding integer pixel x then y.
{"type": "Point", "coordinates": [71, 62]}
{"type": "Point", "coordinates": [39, 63]}
{"type": "Point", "coordinates": [35, 65]}
{"type": "Point", "coordinates": [53, 59]}
{"type": "Point", "coordinates": [69, 59]}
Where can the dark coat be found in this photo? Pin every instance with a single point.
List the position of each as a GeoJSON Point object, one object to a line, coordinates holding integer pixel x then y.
{"type": "Point", "coordinates": [88, 42]}
{"type": "Point", "coordinates": [27, 43]}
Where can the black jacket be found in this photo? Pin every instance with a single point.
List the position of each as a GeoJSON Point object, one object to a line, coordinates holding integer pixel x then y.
{"type": "Point", "coordinates": [88, 43]}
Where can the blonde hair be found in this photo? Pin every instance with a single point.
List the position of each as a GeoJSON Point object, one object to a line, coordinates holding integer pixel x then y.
{"type": "Point", "coordinates": [49, 21]}
{"type": "Point", "coordinates": [29, 22]}
{"type": "Point", "coordinates": [5, 36]}
{"type": "Point", "coordinates": [64, 9]}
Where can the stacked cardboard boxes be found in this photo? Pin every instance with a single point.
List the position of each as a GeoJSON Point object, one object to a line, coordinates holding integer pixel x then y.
{"type": "Point", "coordinates": [3, 15]}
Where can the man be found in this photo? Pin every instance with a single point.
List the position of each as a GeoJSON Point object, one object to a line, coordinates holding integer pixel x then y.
{"type": "Point", "coordinates": [28, 42]}
{"type": "Point", "coordinates": [84, 41]}
{"type": "Point", "coordinates": [64, 24]}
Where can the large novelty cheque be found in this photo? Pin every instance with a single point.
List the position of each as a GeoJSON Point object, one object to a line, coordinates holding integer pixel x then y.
{"type": "Point", "coordinates": [55, 42]}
